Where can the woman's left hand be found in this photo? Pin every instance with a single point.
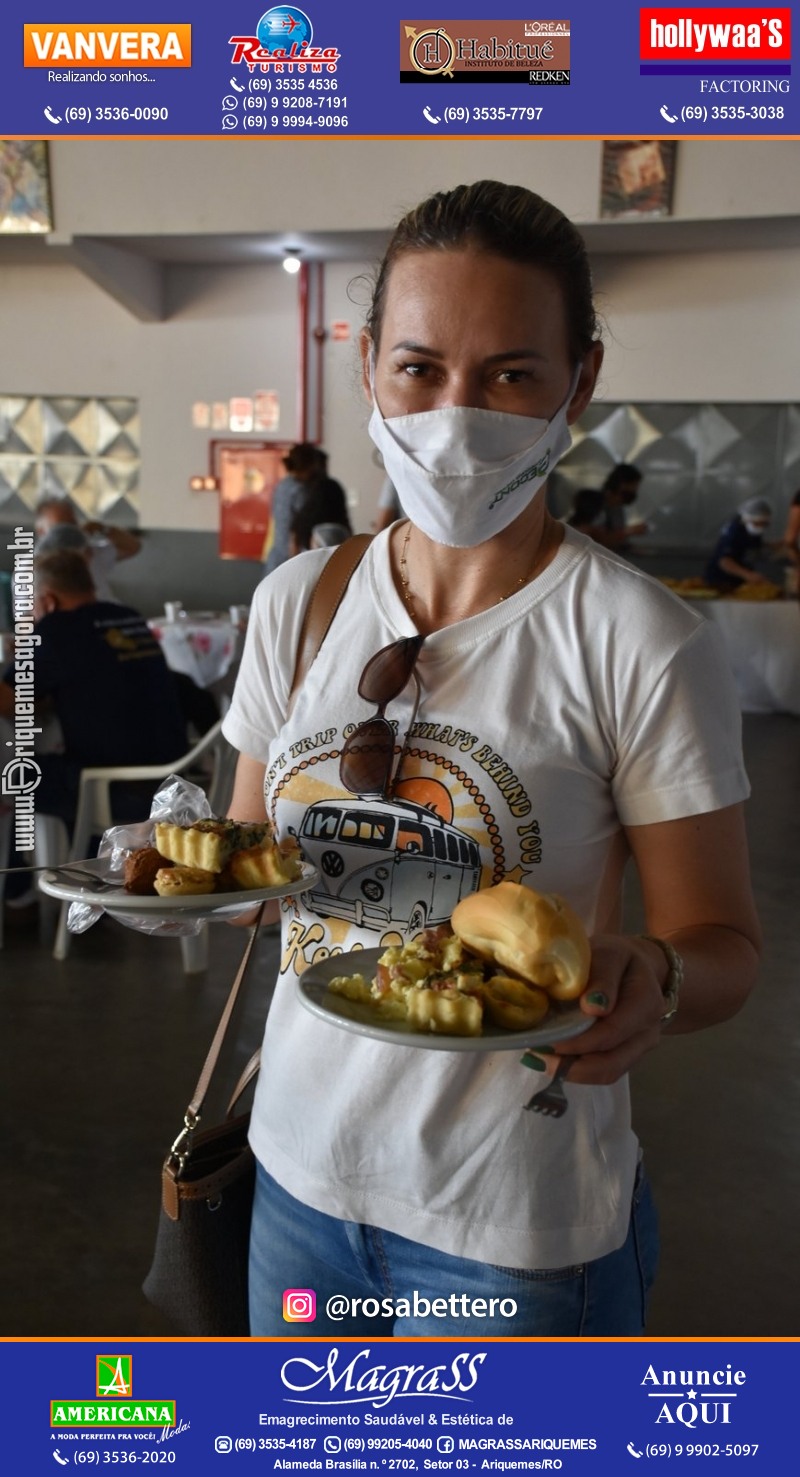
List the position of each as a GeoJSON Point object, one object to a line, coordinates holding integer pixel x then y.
{"type": "Point", "coordinates": [624, 996]}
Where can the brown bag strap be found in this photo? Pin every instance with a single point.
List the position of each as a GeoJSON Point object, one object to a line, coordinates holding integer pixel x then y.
{"type": "Point", "coordinates": [322, 607]}
{"type": "Point", "coordinates": [324, 603]}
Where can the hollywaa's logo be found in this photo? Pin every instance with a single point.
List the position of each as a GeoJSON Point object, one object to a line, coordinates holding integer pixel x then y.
{"type": "Point", "coordinates": [361, 1383]}
{"type": "Point", "coordinates": [113, 1408]}
{"type": "Point", "coordinates": [283, 43]}
{"type": "Point", "coordinates": [694, 1396]}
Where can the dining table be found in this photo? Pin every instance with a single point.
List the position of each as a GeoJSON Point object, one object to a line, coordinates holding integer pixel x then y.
{"type": "Point", "coordinates": [203, 644]}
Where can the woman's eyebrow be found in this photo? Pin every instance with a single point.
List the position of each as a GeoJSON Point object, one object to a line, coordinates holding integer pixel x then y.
{"type": "Point", "coordinates": [409, 347]}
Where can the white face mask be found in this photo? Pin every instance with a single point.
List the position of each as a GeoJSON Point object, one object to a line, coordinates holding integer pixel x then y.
{"type": "Point", "coordinates": [463, 475]}
{"type": "Point", "coordinates": [755, 528]}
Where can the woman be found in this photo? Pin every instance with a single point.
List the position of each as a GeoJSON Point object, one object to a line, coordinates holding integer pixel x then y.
{"type": "Point", "coordinates": [570, 712]}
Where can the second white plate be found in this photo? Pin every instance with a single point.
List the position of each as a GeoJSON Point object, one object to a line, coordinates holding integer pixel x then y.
{"type": "Point", "coordinates": [110, 894]}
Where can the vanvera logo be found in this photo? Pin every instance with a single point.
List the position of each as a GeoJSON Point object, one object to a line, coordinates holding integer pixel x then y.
{"type": "Point", "coordinates": [361, 1383]}
{"type": "Point", "coordinates": [55, 44]}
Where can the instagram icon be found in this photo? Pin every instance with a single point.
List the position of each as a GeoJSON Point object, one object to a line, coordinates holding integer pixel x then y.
{"type": "Point", "coordinates": [299, 1305]}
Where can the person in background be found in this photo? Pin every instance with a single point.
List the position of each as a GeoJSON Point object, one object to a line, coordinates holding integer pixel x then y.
{"type": "Point", "coordinates": [587, 511]}
{"type": "Point", "coordinates": [740, 542]}
{"type": "Point", "coordinates": [328, 535]}
{"type": "Point", "coordinates": [389, 509]}
{"type": "Point", "coordinates": [790, 543]}
{"type": "Point", "coordinates": [620, 491]}
{"type": "Point", "coordinates": [101, 544]}
{"type": "Point", "coordinates": [557, 713]}
{"type": "Point", "coordinates": [308, 494]}
{"type": "Point", "coordinates": [107, 683]}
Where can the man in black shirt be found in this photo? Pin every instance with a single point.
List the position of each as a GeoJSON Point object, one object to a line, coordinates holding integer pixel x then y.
{"type": "Point", "coordinates": [738, 546]}
{"type": "Point", "coordinates": [106, 681]}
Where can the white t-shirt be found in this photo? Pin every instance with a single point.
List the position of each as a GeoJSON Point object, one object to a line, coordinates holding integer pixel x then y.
{"type": "Point", "coordinates": [591, 699]}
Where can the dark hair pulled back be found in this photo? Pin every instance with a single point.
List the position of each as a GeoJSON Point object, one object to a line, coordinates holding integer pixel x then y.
{"type": "Point", "coordinates": [506, 221]}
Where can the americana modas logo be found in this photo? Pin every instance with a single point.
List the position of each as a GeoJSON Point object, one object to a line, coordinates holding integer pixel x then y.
{"type": "Point", "coordinates": [284, 42]}
{"type": "Point", "coordinates": [692, 1397]}
{"type": "Point", "coordinates": [113, 1407]}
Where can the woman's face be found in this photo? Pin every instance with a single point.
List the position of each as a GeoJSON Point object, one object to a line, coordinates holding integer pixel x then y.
{"type": "Point", "coordinates": [472, 329]}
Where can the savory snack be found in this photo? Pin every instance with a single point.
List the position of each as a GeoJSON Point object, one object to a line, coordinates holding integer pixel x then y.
{"type": "Point", "coordinates": [209, 844]}
{"type": "Point", "coordinates": [266, 865]}
{"type": "Point", "coordinates": [211, 856]}
{"type": "Point", "coordinates": [509, 954]}
{"type": "Point", "coordinates": [537, 937]}
{"type": "Point", "coordinates": [183, 881]}
{"type": "Point", "coordinates": [141, 867]}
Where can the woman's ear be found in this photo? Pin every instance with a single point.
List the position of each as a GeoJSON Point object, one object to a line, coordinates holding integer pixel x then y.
{"type": "Point", "coordinates": [587, 379]}
{"type": "Point", "coordinates": [365, 347]}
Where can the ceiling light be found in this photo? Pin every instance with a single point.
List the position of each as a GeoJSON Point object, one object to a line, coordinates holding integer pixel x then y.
{"type": "Point", "coordinates": [291, 259]}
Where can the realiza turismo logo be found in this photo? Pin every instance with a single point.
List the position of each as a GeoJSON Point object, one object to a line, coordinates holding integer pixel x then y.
{"type": "Point", "coordinates": [113, 1407]}
{"type": "Point", "coordinates": [688, 1397]}
{"type": "Point", "coordinates": [283, 43]}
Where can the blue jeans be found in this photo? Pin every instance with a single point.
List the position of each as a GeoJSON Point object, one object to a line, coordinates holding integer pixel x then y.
{"type": "Point", "coordinates": [371, 1283]}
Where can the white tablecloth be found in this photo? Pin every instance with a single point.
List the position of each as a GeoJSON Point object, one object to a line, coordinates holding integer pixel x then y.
{"type": "Point", "coordinates": [202, 647]}
{"type": "Point", "coordinates": [763, 645]}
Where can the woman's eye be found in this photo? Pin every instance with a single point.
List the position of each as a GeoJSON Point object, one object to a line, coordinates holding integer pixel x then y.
{"type": "Point", "coordinates": [414, 370]}
{"type": "Point", "coordinates": [513, 376]}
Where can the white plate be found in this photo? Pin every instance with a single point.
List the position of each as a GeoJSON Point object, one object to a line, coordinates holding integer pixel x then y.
{"type": "Point", "coordinates": [110, 895]}
{"type": "Point", "coordinates": [562, 1021]}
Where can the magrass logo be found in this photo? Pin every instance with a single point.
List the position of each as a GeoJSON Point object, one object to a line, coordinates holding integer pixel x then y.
{"type": "Point", "coordinates": [114, 1407]}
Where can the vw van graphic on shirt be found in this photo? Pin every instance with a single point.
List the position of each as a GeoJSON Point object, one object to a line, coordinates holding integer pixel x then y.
{"type": "Point", "coordinates": [385, 863]}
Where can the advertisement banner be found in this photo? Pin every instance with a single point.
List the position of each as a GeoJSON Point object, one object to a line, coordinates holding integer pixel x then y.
{"type": "Point", "coordinates": [237, 97]}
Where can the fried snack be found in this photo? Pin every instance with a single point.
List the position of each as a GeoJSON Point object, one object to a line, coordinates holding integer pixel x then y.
{"type": "Point", "coordinates": [536, 937]}
{"type": "Point", "coordinates": [763, 590]}
{"type": "Point", "coordinates": [183, 881]}
{"type": "Point", "coordinates": [209, 844]}
{"type": "Point", "coordinates": [447, 1011]}
{"type": "Point", "coordinates": [266, 865]}
{"type": "Point", "coordinates": [141, 867]}
{"type": "Point", "coordinates": [513, 1005]}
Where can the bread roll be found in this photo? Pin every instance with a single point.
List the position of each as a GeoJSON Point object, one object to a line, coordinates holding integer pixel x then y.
{"type": "Point", "coordinates": [535, 936]}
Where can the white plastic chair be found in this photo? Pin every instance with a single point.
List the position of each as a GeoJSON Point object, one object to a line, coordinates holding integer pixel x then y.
{"type": "Point", "coordinates": [94, 816]}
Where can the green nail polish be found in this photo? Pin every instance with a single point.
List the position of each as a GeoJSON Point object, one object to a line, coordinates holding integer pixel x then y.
{"type": "Point", "coordinates": [535, 1062]}
{"type": "Point", "coordinates": [598, 997]}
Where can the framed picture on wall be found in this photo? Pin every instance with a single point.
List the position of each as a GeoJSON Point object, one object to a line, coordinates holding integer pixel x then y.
{"type": "Point", "coordinates": [24, 187]}
{"type": "Point", "coordinates": [637, 178]}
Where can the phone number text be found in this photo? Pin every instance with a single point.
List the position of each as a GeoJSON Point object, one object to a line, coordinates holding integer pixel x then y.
{"type": "Point", "coordinates": [702, 1448]}
{"type": "Point", "coordinates": [493, 115]}
{"type": "Point", "coordinates": [117, 115]}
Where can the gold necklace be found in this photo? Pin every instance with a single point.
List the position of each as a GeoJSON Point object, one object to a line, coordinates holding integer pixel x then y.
{"type": "Point", "coordinates": [523, 580]}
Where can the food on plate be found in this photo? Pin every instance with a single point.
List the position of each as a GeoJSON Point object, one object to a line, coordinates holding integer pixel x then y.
{"type": "Point", "coordinates": [509, 953]}
{"type": "Point", "coordinates": [183, 881]}
{"type": "Point", "coordinates": [267, 865]}
{"type": "Point", "coordinates": [763, 590]}
{"type": "Point", "coordinates": [693, 587]}
{"type": "Point", "coordinates": [211, 856]}
{"type": "Point", "coordinates": [536, 936]}
{"type": "Point", "coordinates": [141, 867]}
{"type": "Point", "coordinates": [209, 844]}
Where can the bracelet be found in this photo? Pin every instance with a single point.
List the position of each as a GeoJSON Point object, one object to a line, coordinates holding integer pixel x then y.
{"type": "Point", "coordinates": [674, 979]}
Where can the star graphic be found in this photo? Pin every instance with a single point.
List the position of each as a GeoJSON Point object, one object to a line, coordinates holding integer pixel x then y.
{"type": "Point", "coordinates": [691, 1394]}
